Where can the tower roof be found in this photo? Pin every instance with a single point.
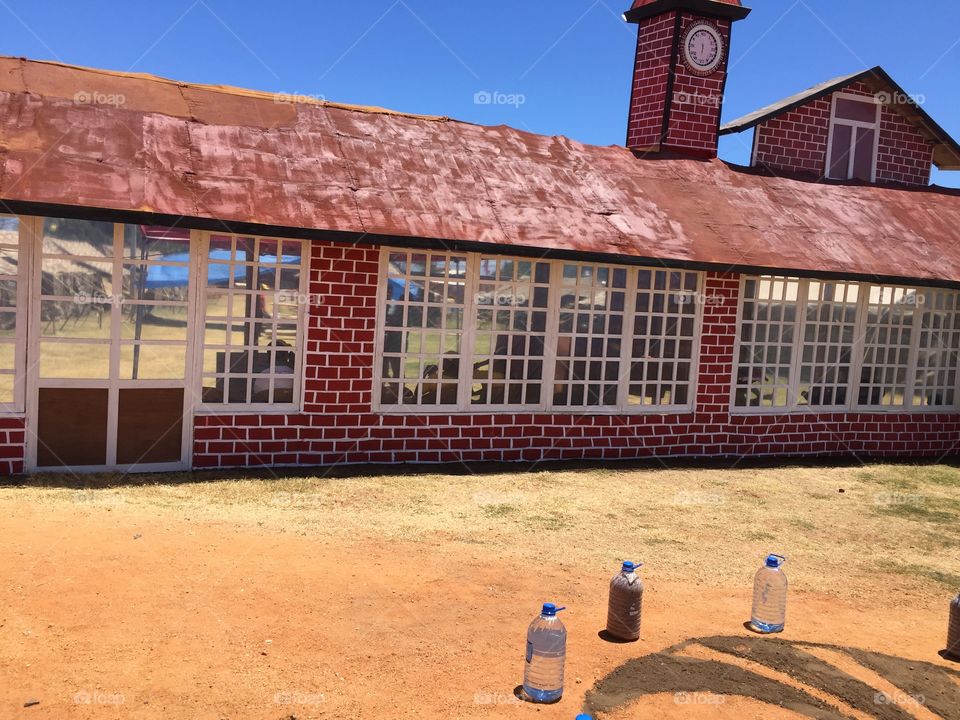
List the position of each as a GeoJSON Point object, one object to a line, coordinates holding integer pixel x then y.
{"type": "Point", "coordinates": [731, 9]}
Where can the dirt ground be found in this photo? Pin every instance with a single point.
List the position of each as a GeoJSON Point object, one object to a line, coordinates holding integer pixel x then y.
{"type": "Point", "coordinates": [409, 597]}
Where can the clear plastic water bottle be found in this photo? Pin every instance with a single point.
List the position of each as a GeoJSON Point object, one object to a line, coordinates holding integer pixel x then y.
{"type": "Point", "coordinates": [625, 603]}
{"type": "Point", "coordinates": [546, 653]}
{"type": "Point", "coordinates": [770, 597]}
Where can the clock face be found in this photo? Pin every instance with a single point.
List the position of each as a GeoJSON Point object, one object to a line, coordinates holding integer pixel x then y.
{"type": "Point", "coordinates": [703, 48]}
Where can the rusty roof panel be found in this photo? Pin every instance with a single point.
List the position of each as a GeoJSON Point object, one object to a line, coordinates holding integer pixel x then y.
{"type": "Point", "coordinates": [242, 156]}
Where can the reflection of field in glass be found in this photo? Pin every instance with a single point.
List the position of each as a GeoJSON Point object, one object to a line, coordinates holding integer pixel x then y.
{"type": "Point", "coordinates": [242, 329]}
{"type": "Point", "coordinates": [69, 360]}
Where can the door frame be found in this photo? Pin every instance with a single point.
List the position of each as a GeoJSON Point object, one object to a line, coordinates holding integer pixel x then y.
{"type": "Point", "coordinates": [33, 226]}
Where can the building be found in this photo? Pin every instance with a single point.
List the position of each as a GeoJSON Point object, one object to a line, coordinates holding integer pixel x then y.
{"type": "Point", "coordinates": [199, 276]}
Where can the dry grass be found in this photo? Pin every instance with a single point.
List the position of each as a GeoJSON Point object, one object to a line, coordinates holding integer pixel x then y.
{"type": "Point", "coordinates": [846, 531]}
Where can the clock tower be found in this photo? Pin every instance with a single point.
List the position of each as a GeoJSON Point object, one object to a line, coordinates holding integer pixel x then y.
{"type": "Point", "coordinates": [680, 74]}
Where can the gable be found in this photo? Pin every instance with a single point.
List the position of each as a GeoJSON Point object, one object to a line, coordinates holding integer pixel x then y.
{"type": "Point", "coordinates": [800, 141]}
{"type": "Point", "coordinates": [905, 120]}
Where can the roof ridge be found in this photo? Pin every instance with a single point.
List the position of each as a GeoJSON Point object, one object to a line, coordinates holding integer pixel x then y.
{"type": "Point", "coordinates": [237, 91]}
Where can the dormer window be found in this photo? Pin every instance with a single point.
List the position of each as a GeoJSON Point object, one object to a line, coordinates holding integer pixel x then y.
{"type": "Point", "coordinates": [854, 136]}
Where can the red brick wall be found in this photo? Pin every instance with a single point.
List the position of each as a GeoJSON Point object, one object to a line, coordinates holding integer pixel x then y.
{"type": "Point", "coordinates": [796, 142]}
{"type": "Point", "coordinates": [695, 102]}
{"type": "Point", "coordinates": [12, 450]}
{"type": "Point", "coordinates": [338, 426]}
{"type": "Point", "coordinates": [650, 79]}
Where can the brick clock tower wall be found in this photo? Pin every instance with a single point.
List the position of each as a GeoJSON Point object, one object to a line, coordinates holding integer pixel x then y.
{"type": "Point", "coordinates": [672, 107]}
{"type": "Point", "coordinates": [694, 120]}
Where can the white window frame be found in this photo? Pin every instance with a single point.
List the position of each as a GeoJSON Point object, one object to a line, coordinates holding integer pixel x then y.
{"type": "Point", "coordinates": [225, 408]}
{"type": "Point", "coordinates": [25, 231]}
{"type": "Point", "coordinates": [464, 405]}
{"type": "Point", "coordinates": [857, 359]}
{"type": "Point", "coordinates": [855, 125]}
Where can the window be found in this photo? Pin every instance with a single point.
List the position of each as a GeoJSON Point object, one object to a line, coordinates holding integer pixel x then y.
{"type": "Point", "coordinates": [854, 135]}
{"type": "Point", "coordinates": [843, 345]}
{"type": "Point", "coordinates": [423, 329]}
{"type": "Point", "coordinates": [512, 302]}
{"type": "Point", "coordinates": [888, 339]}
{"type": "Point", "coordinates": [78, 296]}
{"type": "Point", "coordinates": [664, 334]}
{"type": "Point", "coordinates": [935, 378]}
{"type": "Point", "coordinates": [589, 344]}
{"type": "Point", "coordinates": [104, 285]}
{"type": "Point", "coordinates": [474, 332]}
{"type": "Point", "coordinates": [12, 289]}
{"type": "Point", "coordinates": [768, 320]}
{"type": "Point", "coordinates": [254, 297]}
{"type": "Point", "coordinates": [829, 333]}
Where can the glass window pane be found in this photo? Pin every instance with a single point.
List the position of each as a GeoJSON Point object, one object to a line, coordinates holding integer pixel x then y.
{"type": "Point", "coordinates": [863, 155]}
{"type": "Point", "coordinates": [859, 110]}
{"type": "Point", "coordinates": [765, 355]}
{"type": "Point", "coordinates": [504, 371]}
{"type": "Point", "coordinates": [426, 300]}
{"type": "Point", "coordinates": [152, 362]}
{"type": "Point", "coordinates": [890, 327]}
{"type": "Point", "coordinates": [253, 320]}
{"type": "Point", "coordinates": [663, 334]}
{"type": "Point", "coordinates": [596, 295]}
{"type": "Point", "coordinates": [840, 152]}
{"type": "Point", "coordinates": [77, 238]}
{"type": "Point", "coordinates": [62, 360]}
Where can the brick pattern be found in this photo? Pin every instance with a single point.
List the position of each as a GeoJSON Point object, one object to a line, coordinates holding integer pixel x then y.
{"type": "Point", "coordinates": [12, 445]}
{"type": "Point", "coordinates": [650, 80]}
{"type": "Point", "coordinates": [695, 103]}
{"type": "Point", "coordinates": [337, 424]}
{"type": "Point", "coordinates": [796, 142]}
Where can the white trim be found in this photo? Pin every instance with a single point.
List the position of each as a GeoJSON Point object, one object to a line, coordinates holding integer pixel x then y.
{"type": "Point", "coordinates": [854, 125]}
{"type": "Point", "coordinates": [465, 406]}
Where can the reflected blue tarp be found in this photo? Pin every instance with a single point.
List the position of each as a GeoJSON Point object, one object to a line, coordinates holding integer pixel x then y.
{"type": "Point", "coordinates": [169, 276]}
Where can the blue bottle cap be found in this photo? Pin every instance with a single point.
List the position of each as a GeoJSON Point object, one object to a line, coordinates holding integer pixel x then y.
{"type": "Point", "coordinates": [629, 567]}
{"type": "Point", "coordinates": [775, 561]}
{"type": "Point", "coordinates": [584, 717]}
{"type": "Point", "coordinates": [549, 610]}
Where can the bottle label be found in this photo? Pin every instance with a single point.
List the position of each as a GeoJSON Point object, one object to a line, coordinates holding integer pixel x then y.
{"type": "Point", "coordinates": [529, 651]}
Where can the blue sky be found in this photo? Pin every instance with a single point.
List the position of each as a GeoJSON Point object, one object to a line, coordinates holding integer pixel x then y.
{"type": "Point", "coordinates": [561, 67]}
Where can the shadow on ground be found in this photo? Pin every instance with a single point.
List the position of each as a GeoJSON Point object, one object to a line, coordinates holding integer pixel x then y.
{"type": "Point", "coordinates": [72, 480]}
{"type": "Point", "coordinates": [675, 672]}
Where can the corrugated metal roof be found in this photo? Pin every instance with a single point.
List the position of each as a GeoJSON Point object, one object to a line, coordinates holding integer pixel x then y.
{"type": "Point", "coordinates": [946, 151]}
{"type": "Point", "coordinates": [225, 154]}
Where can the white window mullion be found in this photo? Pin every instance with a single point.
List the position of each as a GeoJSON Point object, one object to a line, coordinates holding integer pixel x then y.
{"type": "Point", "coordinates": [553, 331]}
{"type": "Point", "coordinates": [909, 389]}
{"type": "Point", "coordinates": [469, 329]}
{"type": "Point", "coordinates": [626, 342]}
{"type": "Point", "coordinates": [800, 328]}
{"type": "Point", "coordinates": [859, 346]}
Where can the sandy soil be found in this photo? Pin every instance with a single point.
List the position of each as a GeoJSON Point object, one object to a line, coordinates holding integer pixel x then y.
{"type": "Point", "coordinates": [133, 611]}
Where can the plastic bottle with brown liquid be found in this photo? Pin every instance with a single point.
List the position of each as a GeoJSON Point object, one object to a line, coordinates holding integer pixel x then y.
{"type": "Point", "coordinates": [953, 631]}
{"type": "Point", "coordinates": [626, 603]}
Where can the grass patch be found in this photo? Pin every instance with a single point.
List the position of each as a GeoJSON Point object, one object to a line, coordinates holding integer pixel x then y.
{"type": "Point", "coordinates": [924, 509]}
{"type": "Point", "coordinates": [550, 521]}
{"type": "Point", "coordinates": [501, 510]}
{"type": "Point", "coordinates": [922, 572]}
